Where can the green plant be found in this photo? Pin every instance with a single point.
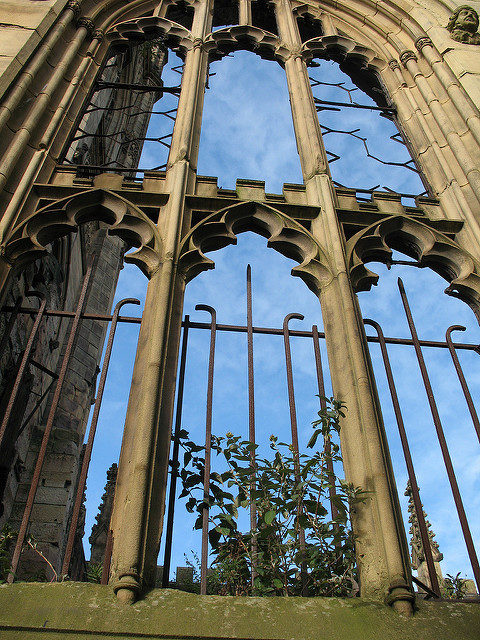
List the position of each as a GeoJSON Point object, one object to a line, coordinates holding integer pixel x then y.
{"type": "Point", "coordinates": [7, 538]}
{"type": "Point", "coordinates": [94, 572]}
{"type": "Point", "coordinates": [297, 548]}
{"type": "Point", "coordinates": [454, 587]}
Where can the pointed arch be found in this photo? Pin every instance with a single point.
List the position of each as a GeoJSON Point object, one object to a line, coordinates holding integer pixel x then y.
{"type": "Point", "coordinates": [248, 38]}
{"type": "Point", "coordinates": [423, 243]}
{"type": "Point", "coordinates": [29, 239]}
{"type": "Point", "coordinates": [283, 233]}
{"type": "Point", "coordinates": [173, 35]}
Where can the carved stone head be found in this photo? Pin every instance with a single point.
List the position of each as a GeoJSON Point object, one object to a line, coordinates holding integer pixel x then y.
{"type": "Point", "coordinates": [463, 25]}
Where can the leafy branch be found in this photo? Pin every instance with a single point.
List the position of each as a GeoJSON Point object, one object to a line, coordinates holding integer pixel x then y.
{"type": "Point", "coordinates": [299, 546]}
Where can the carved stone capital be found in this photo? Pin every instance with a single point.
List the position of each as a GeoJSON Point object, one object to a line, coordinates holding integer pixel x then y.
{"type": "Point", "coordinates": [393, 64]}
{"type": "Point", "coordinates": [424, 41]}
{"type": "Point", "coordinates": [406, 56]}
{"type": "Point", "coordinates": [87, 24]}
{"type": "Point", "coordinates": [98, 34]}
{"type": "Point", "coordinates": [74, 6]}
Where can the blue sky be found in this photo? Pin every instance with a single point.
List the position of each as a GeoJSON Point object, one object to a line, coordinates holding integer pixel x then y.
{"type": "Point", "coordinates": [247, 133]}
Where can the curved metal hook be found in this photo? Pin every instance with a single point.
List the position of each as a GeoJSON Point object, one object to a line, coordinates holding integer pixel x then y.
{"type": "Point", "coordinates": [35, 294]}
{"type": "Point", "coordinates": [375, 325]}
{"type": "Point", "coordinates": [291, 316]}
{"type": "Point", "coordinates": [208, 309]}
{"type": "Point", "coordinates": [453, 327]}
{"type": "Point", "coordinates": [120, 304]}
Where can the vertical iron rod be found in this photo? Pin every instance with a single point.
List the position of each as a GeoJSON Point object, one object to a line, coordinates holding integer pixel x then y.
{"type": "Point", "coordinates": [441, 439]}
{"type": "Point", "coordinates": [176, 445]}
{"type": "Point", "coordinates": [10, 323]}
{"type": "Point", "coordinates": [208, 441]}
{"type": "Point", "coordinates": [293, 424]}
{"type": "Point", "coordinates": [48, 427]}
{"type": "Point", "coordinates": [461, 377]}
{"type": "Point", "coordinates": [23, 365]}
{"type": "Point", "coordinates": [422, 525]}
{"type": "Point", "coordinates": [251, 417]}
{"type": "Point", "coordinates": [91, 436]}
{"type": "Point", "coordinates": [323, 406]}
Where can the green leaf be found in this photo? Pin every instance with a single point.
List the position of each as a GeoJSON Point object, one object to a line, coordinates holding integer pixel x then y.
{"type": "Point", "coordinates": [269, 516]}
{"type": "Point", "coordinates": [278, 583]}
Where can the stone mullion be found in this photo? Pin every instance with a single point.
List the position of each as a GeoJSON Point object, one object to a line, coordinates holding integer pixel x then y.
{"type": "Point", "coordinates": [244, 12]}
{"type": "Point", "coordinates": [142, 473]}
{"type": "Point", "coordinates": [381, 544]}
{"type": "Point", "coordinates": [311, 150]}
{"type": "Point", "coordinates": [382, 555]}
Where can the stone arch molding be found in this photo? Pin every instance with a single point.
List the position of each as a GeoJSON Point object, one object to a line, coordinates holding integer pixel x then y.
{"type": "Point", "coordinates": [283, 233]}
{"type": "Point", "coordinates": [340, 48]}
{"type": "Point", "coordinates": [427, 245]}
{"type": "Point", "coordinates": [29, 240]}
{"type": "Point", "coordinates": [173, 35]}
{"type": "Point", "coordinates": [248, 38]}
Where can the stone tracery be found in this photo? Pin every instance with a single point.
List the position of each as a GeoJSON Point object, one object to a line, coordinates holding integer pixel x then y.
{"type": "Point", "coordinates": [367, 35]}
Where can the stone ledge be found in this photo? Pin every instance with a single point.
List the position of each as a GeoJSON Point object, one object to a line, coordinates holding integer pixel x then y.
{"type": "Point", "coordinates": [86, 611]}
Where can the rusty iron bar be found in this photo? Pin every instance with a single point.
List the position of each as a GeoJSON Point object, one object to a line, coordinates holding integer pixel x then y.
{"type": "Point", "coordinates": [441, 439]}
{"type": "Point", "coordinates": [10, 323]}
{"type": "Point", "coordinates": [426, 588]}
{"type": "Point", "coordinates": [48, 427]}
{"type": "Point", "coordinates": [46, 370]}
{"type": "Point", "coordinates": [422, 525]}
{"type": "Point", "coordinates": [37, 405]}
{"type": "Point", "coordinates": [294, 429]}
{"type": "Point", "coordinates": [332, 492]}
{"type": "Point", "coordinates": [107, 559]}
{"type": "Point", "coordinates": [461, 377]}
{"type": "Point", "coordinates": [91, 436]}
{"type": "Point", "coordinates": [308, 334]}
{"type": "Point", "coordinates": [208, 447]}
{"type": "Point", "coordinates": [174, 463]}
{"type": "Point", "coordinates": [251, 419]}
{"type": "Point", "coordinates": [243, 329]}
{"type": "Point", "coordinates": [23, 364]}
{"type": "Point", "coordinates": [71, 314]}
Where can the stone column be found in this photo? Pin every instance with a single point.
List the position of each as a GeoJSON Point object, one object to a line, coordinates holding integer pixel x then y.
{"type": "Point", "coordinates": [460, 99]}
{"type": "Point", "coordinates": [462, 155]}
{"type": "Point", "coordinates": [382, 554]}
{"type": "Point", "coordinates": [142, 474]}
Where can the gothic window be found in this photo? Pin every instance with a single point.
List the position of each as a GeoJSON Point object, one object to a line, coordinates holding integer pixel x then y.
{"type": "Point", "coordinates": [364, 145]}
{"type": "Point", "coordinates": [130, 109]}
